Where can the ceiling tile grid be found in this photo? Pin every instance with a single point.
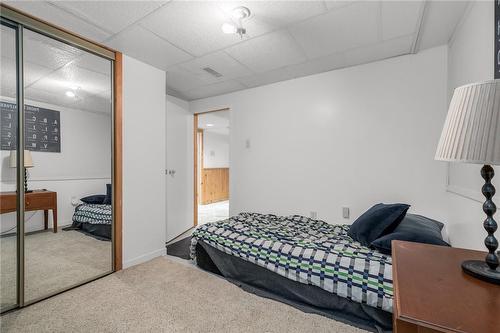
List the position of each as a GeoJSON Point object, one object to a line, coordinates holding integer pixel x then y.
{"type": "Point", "coordinates": [148, 47]}
{"type": "Point", "coordinates": [52, 13]}
{"type": "Point", "coordinates": [268, 52]}
{"type": "Point", "coordinates": [284, 40]}
{"type": "Point", "coordinates": [112, 16]}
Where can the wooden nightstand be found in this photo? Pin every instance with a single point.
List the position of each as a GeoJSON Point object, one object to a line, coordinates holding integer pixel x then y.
{"type": "Point", "coordinates": [432, 294]}
{"type": "Point", "coordinates": [36, 200]}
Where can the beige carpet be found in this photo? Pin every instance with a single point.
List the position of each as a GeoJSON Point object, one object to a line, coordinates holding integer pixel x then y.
{"type": "Point", "coordinates": [163, 295]}
{"type": "Point", "coordinates": [54, 261]}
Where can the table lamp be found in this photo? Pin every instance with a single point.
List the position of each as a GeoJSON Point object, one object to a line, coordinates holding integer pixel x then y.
{"type": "Point", "coordinates": [471, 134]}
{"type": "Point", "coordinates": [28, 163]}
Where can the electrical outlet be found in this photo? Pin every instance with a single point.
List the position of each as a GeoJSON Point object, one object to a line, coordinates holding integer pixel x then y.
{"type": "Point", "coordinates": [314, 215]}
{"type": "Point", "coordinates": [345, 212]}
{"type": "Point", "coordinates": [74, 201]}
{"type": "Point", "coordinates": [247, 143]}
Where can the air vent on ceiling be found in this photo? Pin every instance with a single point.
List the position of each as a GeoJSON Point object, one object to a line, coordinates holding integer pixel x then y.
{"type": "Point", "coordinates": [212, 72]}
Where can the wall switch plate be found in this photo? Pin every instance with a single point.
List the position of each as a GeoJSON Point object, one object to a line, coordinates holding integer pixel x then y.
{"type": "Point", "coordinates": [247, 143]}
{"type": "Point", "coordinates": [345, 212]}
{"type": "Point", "coordinates": [314, 215]}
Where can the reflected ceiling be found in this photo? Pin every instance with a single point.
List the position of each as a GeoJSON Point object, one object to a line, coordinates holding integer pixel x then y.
{"type": "Point", "coordinates": [56, 73]}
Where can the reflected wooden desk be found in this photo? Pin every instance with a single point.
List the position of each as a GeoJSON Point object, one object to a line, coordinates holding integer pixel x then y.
{"type": "Point", "coordinates": [36, 200]}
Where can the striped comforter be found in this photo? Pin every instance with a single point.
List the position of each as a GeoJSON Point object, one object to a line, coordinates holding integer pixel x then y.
{"type": "Point", "coordinates": [307, 251]}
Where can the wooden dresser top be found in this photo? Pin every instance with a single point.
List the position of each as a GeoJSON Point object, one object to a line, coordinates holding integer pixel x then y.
{"type": "Point", "coordinates": [432, 291]}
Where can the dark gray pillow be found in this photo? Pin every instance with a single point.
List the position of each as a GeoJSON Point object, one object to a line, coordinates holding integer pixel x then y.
{"type": "Point", "coordinates": [413, 228]}
{"type": "Point", "coordinates": [107, 199]}
{"type": "Point", "coordinates": [94, 199]}
{"type": "Point", "coordinates": [377, 221]}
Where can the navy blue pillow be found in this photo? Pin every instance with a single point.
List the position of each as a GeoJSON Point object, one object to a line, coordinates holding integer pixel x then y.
{"type": "Point", "coordinates": [107, 199]}
{"type": "Point", "coordinates": [413, 228]}
{"type": "Point", "coordinates": [94, 199]}
{"type": "Point", "coordinates": [377, 221]}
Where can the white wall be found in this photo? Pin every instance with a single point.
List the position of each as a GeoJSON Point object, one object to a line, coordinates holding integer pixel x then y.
{"type": "Point", "coordinates": [83, 167]}
{"type": "Point", "coordinates": [144, 157]}
{"type": "Point", "coordinates": [470, 59]}
{"type": "Point", "coordinates": [179, 158]}
{"type": "Point", "coordinates": [215, 150]}
{"type": "Point", "coordinates": [352, 137]}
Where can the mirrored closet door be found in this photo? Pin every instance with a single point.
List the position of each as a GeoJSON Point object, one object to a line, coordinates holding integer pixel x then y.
{"type": "Point", "coordinates": [8, 196]}
{"type": "Point", "coordinates": [68, 131]}
{"type": "Point", "coordinates": [60, 170]}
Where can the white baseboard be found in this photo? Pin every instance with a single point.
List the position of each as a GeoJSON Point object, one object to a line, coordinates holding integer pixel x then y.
{"type": "Point", "coordinates": [145, 257]}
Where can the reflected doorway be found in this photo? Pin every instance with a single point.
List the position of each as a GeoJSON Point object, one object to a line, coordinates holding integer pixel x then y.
{"type": "Point", "coordinates": [212, 166]}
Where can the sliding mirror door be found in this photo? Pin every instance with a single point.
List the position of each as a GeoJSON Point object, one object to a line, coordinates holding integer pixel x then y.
{"type": "Point", "coordinates": [8, 196]}
{"type": "Point", "coordinates": [68, 138]}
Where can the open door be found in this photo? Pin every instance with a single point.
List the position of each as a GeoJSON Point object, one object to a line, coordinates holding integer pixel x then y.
{"type": "Point", "coordinates": [211, 167]}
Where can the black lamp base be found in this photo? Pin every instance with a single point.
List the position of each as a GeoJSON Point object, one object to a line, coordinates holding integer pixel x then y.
{"type": "Point", "coordinates": [479, 269]}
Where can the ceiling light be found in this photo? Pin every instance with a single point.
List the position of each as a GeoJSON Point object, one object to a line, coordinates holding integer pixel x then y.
{"type": "Point", "coordinates": [70, 94]}
{"type": "Point", "coordinates": [236, 27]}
{"type": "Point", "coordinates": [210, 125]}
{"type": "Point", "coordinates": [229, 28]}
{"type": "Point", "coordinates": [240, 13]}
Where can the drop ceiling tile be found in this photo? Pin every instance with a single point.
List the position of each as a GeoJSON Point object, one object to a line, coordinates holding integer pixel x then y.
{"type": "Point", "coordinates": [192, 26]}
{"type": "Point", "coordinates": [275, 14]}
{"type": "Point", "coordinates": [182, 80]}
{"type": "Point", "coordinates": [50, 97]}
{"type": "Point", "coordinates": [261, 79]}
{"type": "Point", "coordinates": [61, 18]}
{"type": "Point", "coordinates": [7, 42]}
{"type": "Point", "coordinates": [336, 4]}
{"type": "Point", "coordinates": [7, 77]}
{"type": "Point", "coordinates": [338, 30]}
{"type": "Point", "coordinates": [112, 16]}
{"type": "Point", "coordinates": [94, 63]}
{"type": "Point", "coordinates": [318, 65]}
{"type": "Point", "coordinates": [387, 49]}
{"type": "Point", "coordinates": [400, 18]}
{"type": "Point", "coordinates": [440, 21]}
{"type": "Point", "coordinates": [93, 103]}
{"type": "Point", "coordinates": [219, 61]}
{"type": "Point", "coordinates": [142, 44]}
{"type": "Point", "coordinates": [48, 52]}
{"type": "Point", "coordinates": [71, 77]}
{"type": "Point", "coordinates": [214, 90]}
{"type": "Point", "coordinates": [268, 52]}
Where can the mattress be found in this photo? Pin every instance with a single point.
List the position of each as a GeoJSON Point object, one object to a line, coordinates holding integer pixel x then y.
{"type": "Point", "coordinates": [311, 252]}
{"type": "Point", "coordinates": [307, 298]}
{"type": "Point", "coordinates": [94, 220]}
{"type": "Point", "coordinates": [93, 214]}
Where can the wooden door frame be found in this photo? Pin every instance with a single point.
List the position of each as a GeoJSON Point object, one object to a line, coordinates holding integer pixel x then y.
{"type": "Point", "coordinates": [118, 161]}
{"type": "Point", "coordinates": [88, 45]}
{"type": "Point", "coordinates": [195, 156]}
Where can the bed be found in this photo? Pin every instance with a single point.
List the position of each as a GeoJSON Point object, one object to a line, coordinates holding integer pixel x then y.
{"type": "Point", "coordinates": [306, 263]}
{"type": "Point", "coordinates": [93, 219]}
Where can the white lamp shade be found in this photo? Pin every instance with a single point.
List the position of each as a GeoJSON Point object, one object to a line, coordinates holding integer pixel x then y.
{"type": "Point", "coordinates": [471, 132]}
{"type": "Point", "coordinates": [28, 161]}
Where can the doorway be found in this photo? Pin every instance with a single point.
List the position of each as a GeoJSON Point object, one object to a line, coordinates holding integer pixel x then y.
{"type": "Point", "coordinates": [211, 166]}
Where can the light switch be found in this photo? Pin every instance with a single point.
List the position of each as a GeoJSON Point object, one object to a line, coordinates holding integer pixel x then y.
{"type": "Point", "coordinates": [345, 212]}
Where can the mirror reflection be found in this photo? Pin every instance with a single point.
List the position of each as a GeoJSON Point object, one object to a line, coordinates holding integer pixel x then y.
{"type": "Point", "coordinates": [8, 197]}
{"type": "Point", "coordinates": [68, 131]}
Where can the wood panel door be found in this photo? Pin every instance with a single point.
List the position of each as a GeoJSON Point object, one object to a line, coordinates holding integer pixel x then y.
{"type": "Point", "coordinates": [214, 185]}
